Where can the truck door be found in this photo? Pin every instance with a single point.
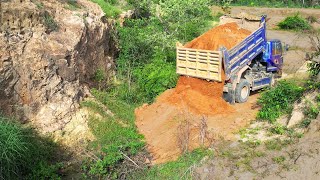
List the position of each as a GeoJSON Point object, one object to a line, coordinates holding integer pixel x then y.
{"type": "Point", "coordinates": [276, 58]}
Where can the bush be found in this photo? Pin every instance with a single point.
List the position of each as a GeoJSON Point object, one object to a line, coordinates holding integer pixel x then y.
{"type": "Point", "coordinates": [24, 154]}
{"type": "Point", "coordinates": [295, 22]}
{"type": "Point", "coordinates": [278, 100]}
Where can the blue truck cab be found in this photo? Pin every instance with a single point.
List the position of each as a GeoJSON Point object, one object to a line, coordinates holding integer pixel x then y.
{"type": "Point", "coordinates": [252, 64]}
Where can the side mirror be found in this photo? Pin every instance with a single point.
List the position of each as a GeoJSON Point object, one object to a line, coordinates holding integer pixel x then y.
{"type": "Point", "coordinates": [285, 48]}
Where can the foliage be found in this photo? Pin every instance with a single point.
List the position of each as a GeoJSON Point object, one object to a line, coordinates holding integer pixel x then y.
{"type": "Point", "coordinates": [116, 135]}
{"type": "Point", "coordinates": [24, 153]}
{"type": "Point", "coordinates": [278, 100]}
{"type": "Point", "coordinates": [277, 144]}
{"type": "Point", "coordinates": [50, 23]}
{"type": "Point", "coordinates": [314, 68]}
{"type": "Point", "coordinates": [108, 8]}
{"type": "Point", "coordinates": [146, 63]}
{"type": "Point", "coordinates": [295, 22]}
{"type": "Point", "coordinates": [278, 129]}
{"type": "Point", "coordinates": [180, 169]}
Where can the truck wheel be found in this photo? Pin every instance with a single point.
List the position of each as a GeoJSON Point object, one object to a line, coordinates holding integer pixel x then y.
{"type": "Point", "coordinates": [242, 91]}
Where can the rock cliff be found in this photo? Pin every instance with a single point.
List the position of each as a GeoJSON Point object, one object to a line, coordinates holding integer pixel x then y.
{"type": "Point", "coordinates": [49, 53]}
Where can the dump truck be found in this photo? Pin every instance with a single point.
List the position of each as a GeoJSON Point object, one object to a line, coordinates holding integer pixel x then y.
{"type": "Point", "coordinates": [252, 64]}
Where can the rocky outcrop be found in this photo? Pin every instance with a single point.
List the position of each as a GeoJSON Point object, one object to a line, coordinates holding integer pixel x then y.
{"type": "Point", "coordinates": [48, 57]}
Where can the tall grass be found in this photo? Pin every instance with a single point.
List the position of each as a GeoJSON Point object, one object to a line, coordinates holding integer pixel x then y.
{"type": "Point", "coordinates": [24, 154]}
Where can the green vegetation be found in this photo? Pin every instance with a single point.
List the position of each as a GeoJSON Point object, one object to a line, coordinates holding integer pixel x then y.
{"type": "Point", "coordinates": [295, 22]}
{"type": "Point", "coordinates": [278, 100]}
{"type": "Point", "coordinates": [146, 63]}
{"type": "Point", "coordinates": [72, 5]}
{"type": "Point", "coordinates": [108, 8]}
{"type": "Point", "coordinates": [24, 154]}
{"type": "Point", "coordinates": [279, 159]}
{"type": "Point", "coordinates": [180, 169]}
{"type": "Point", "coordinates": [314, 68]}
{"type": "Point", "coordinates": [50, 23]}
{"type": "Point", "coordinates": [116, 135]}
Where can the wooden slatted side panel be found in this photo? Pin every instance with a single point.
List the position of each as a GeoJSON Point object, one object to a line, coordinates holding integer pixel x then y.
{"type": "Point", "coordinates": [202, 64]}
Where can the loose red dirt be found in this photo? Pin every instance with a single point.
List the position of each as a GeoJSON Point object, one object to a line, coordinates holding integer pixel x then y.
{"type": "Point", "coordinates": [227, 35]}
{"type": "Point", "coordinates": [194, 99]}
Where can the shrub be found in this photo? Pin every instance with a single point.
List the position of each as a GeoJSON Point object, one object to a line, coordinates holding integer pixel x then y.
{"type": "Point", "coordinates": [295, 22]}
{"type": "Point", "coordinates": [278, 100]}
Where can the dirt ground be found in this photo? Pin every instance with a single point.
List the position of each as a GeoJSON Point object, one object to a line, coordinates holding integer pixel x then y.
{"type": "Point", "coordinates": [164, 125]}
{"type": "Point", "coordinates": [161, 131]}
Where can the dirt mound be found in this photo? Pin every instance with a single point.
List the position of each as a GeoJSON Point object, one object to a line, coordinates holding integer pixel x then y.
{"type": "Point", "coordinates": [227, 35]}
{"type": "Point", "coordinates": [199, 96]}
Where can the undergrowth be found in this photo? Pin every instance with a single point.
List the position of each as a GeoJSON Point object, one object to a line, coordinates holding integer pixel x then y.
{"type": "Point", "coordinates": [116, 135]}
{"type": "Point", "coordinates": [24, 154]}
{"type": "Point", "coordinates": [278, 100]}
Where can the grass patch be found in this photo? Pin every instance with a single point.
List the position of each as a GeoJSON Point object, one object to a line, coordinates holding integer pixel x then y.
{"type": "Point", "coordinates": [116, 136]}
{"type": "Point", "coordinates": [180, 169]}
{"type": "Point", "coordinates": [279, 159]}
{"type": "Point", "coordinates": [109, 9]}
{"type": "Point", "coordinates": [277, 144]}
{"type": "Point", "coordinates": [278, 100]}
{"type": "Point", "coordinates": [295, 23]}
{"type": "Point", "coordinates": [24, 154]}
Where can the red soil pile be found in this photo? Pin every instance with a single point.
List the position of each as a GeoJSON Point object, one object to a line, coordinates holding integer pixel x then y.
{"type": "Point", "coordinates": [227, 35]}
{"type": "Point", "coordinates": [199, 96]}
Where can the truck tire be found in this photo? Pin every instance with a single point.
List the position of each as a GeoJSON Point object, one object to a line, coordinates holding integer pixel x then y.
{"type": "Point", "coordinates": [242, 91]}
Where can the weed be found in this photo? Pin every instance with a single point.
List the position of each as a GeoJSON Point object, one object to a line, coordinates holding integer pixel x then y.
{"type": "Point", "coordinates": [50, 23]}
{"type": "Point", "coordinates": [295, 22]}
{"type": "Point", "coordinates": [73, 5]}
{"type": "Point", "coordinates": [278, 129]}
{"type": "Point", "coordinates": [279, 159]}
{"type": "Point", "coordinates": [277, 144]}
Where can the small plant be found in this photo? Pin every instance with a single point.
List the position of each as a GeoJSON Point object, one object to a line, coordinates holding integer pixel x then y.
{"type": "Point", "coordinates": [279, 159]}
{"type": "Point", "coordinates": [99, 76]}
{"type": "Point", "coordinates": [277, 144]}
{"type": "Point", "coordinates": [278, 129]}
{"type": "Point", "coordinates": [295, 22]}
{"type": "Point", "coordinates": [73, 5]}
{"type": "Point", "coordinates": [50, 23]}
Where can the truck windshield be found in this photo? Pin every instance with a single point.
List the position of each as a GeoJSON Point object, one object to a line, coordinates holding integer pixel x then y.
{"type": "Point", "coordinates": [276, 48]}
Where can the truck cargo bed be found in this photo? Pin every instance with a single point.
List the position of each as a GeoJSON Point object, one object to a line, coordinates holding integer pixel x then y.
{"type": "Point", "coordinates": [202, 64]}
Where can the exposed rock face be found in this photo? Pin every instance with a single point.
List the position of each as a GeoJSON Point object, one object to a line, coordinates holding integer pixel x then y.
{"type": "Point", "coordinates": [48, 56]}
